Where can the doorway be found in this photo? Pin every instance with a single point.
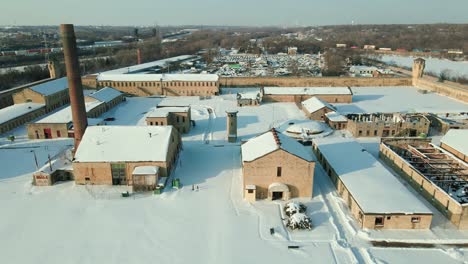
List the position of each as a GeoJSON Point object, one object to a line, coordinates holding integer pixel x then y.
{"type": "Point", "coordinates": [47, 133]}
{"type": "Point", "coordinates": [277, 196]}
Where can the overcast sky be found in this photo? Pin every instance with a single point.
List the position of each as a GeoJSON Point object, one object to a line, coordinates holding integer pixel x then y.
{"type": "Point", "coordinates": [231, 12]}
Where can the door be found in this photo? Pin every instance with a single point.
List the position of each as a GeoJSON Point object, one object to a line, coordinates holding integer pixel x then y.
{"type": "Point", "coordinates": [47, 133]}
{"type": "Point", "coordinates": [118, 174]}
{"type": "Point", "coordinates": [277, 196]}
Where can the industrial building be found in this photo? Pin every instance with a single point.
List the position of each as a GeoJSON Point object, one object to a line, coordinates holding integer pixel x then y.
{"type": "Point", "coordinates": [316, 108]}
{"type": "Point", "coordinates": [436, 174]}
{"type": "Point", "coordinates": [119, 155]}
{"type": "Point", "coordinates": [387, 124]}
{"type": "Point", "coordinates": [276, 167]}
{"type": "Point", "coordinates": [375, 197]}
{"type": "Point", "coordinates": [18, 114]}
{"type": "Point", "coordinates": [300, 94]}
{"type": "Point", "coordinates": [60, 124]}
{"type": "Point", "coordinates": [336, 120]}
{"type": "Point", "coordinates": [147, 79]}
{"type": "Point", "coordinates": [52, 94]}
{"type": "Point", "coordinates": [179, 117]}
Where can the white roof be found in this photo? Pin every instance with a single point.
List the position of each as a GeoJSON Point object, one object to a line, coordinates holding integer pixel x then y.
{"type": "Point", "coordinates": [306, 90]}
{"type": "Point", "coordinates": [51, 87]}
{"type": "Point", "coordinates": [457, 139]}
{"type": "Point", "coordinates": [149, 65]}
{"type": "Point", "coordinates": [141, 143]}
{"type": "Point", "coordinates": [310, 126]}
{"type": "Point", "coordinates": [65, 114]}
{"type": "Point", "coordinates": [164, 111]}
{"type": "Point", "coordinates": [362, 68]}
{"type": "Point", "coordinates": [314, 104]}
{"type": "Point", "coordinates": [336, 117]}
{"type": "Point", "coordinates": [11, 112]}
{"type": "Point", "coordinates": [265, 143]}
{"type": "Point", "coordinates": [190, 77]}
{"type": "Point", "coordinates": [374, 188]}
{"type": "Point", "coordinates": [106, 94]}
{"type": "Point", "coordinates": [146, 170]}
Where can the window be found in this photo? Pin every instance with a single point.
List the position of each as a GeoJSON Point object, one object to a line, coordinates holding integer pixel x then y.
{"type": "Point", "coordinates": [415, 219]}
{"type": "Point", "coordinates": [375, 132]}
{"type": "Point", "coordinates": [389, 217]}
{"type": "Point", "coordinates": [151, 123]}
{"type": "Point", "coordinates": [360, 216]}
{"type": "Point", "coordinates": [183, 119]}
{"type": "Point", "coordinates": [278, 172]}
{"type": "Point", "coordinates": [367, 133]}
{"type": "Point", "coordinates": [156, 123]}
{"type": "Point", "coordinates": [118, 174]}
{"type": "Point", "coordinates": [177, 118]}
{"type": "Point", "coordinates": [379, 221]}
{"type": "Point", "coordinates": [250, 191]}
{"type": "Point", "coordinates": [393, 132]}
{"type": "Point", "coordinates": [58, 133]}
{"type": "Point", "coordinates": [360, 132]}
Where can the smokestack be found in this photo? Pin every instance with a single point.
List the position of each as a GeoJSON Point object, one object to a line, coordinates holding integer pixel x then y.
{"type": "Point", "coordinates": [138, 56]}
{"type": "Point", "coordinates": [80, 122]}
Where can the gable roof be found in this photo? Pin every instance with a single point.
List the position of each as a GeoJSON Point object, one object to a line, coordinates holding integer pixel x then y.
{"type": "Point", "coordinates": [271, 141]}
{"type": "Point", "coordinates": [106, 94]}
{"type": "Point", "coordinates": [51, 87]}
{"type": "Point", "coordinates": [314, 104]}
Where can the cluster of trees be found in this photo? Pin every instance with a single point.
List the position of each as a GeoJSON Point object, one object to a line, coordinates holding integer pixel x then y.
{"type": "Point", "coordinates": [12, 78]}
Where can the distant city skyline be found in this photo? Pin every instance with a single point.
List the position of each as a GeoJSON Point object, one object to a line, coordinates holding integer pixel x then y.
{"type": "Point", "coordinates": [232, 13]}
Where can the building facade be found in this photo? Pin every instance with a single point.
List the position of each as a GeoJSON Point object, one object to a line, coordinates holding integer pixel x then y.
{"type": "Point", "coordinates": [178, 117]}
{"type": "Point", "coordinates": [387, 125]}
{"type": "Point", "coordinates": [276, 167]}
{"type": "Point", "coordinates": [300, 94]}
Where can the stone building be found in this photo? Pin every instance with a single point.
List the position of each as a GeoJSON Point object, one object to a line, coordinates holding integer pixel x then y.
{"type": "Point", "coordinates": [435, 174]}
{"type": "Point", "coordinates": [336, 120]}
{"type": "Point", "coordinates": [104, 158]}
{"type": "Point", "coordinates": [276, 167]}
{"type": "Point", "coordinates": [249, 99]}
{"type": "Point", "coordinates": [52, 94]}
{"type": "Point", "coordinates": [60, 124]}
{"type": "Point", "coordinates": [16, 115]}
{"type": "Point", "coordinates": [315, 108]}
{"type": "Point", "coordinates": [376, 199]}
{"type": "Point", "coordinates": [300, 94]}
{"type": "Point", "coordinates": [179, 117]}
{"type": "Point", "coordinates": [456, 142]}
{"type": "Point", "coordinates": [387, 125]}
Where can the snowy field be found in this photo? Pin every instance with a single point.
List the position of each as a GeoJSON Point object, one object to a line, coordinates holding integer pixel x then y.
{"type": "Point", "coordinates": [399, 99]}
{"type": "Point", "coordinates": [433, 65]}
{"type": "Point", "coordinates": [68, 223]}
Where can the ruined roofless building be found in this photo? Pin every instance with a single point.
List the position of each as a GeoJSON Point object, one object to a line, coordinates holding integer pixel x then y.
{"type": "Point", "coordinates": [77, 101]}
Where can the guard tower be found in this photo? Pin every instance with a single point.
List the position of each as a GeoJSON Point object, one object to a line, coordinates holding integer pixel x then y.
{"type": "Point", "coordinates": [232, 126]}
{"type": "Point", "coordinates": [418, 69]}
{"type": "Point", "coordinates": [53, 71]}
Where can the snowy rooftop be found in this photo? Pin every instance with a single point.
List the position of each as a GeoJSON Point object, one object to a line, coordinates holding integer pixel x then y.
{"type": "Point", "coordinates": [250, 95]}
{"type": "Point", "coordinates": [106, 94]}
{"type": "Point", "coordinates": [51, 87]}
{"type": "Point", "coordinates": [142, 143]}
{"type": "Point", "coordinates": [265, 143]}
{"type": "Point", "coordinates": [65, 115]}
{"type": "Point", "coordinates": [191, 77]}
{"type": "Point", "coordinates": [164, 111]}
{"type": "Point", "coordinates": [314, 104]}
{"type": "Point", "coordinates": [457, 139]}
{"type": "Point", "coordinates": [336, 117]}
{"type": "Point", "coordinates": [306, 90]}
{"type": "Point", "coordinates": [17, 110]}
{"type": "Point", "coordinates": [149, 65]}
{"type": "Point", "coordinates": [375, 189]}
{"type": "Point", "coordinates": [146, 170]}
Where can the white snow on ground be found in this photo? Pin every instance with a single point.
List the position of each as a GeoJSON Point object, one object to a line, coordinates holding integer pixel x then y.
{"type": "Point", "coordinates": [399, 99]}
{"type": "Point", "coordinates": [387, 255]}
{"type": "Point", "coordinates": [434, 65]}
{"type": "Point", "coordinates": [66, 223]}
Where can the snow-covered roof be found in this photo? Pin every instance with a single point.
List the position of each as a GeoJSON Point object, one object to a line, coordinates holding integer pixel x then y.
{"type": "Point", "coordinates": [142, 143]}
{"type": "Point", "coordinates": [306, 90]}
{"type": "Point", "coordinates": [146, 170]}
{"type": "Point", "coordinates": [65, 115]}
{"type": "Point", "coordinates": [250, 95]}
{"type": "Point", "coordinates": [149, 65]}
{"type": "Point", "coordinates": [51, 87]}
{"type": "Point", "coordinates": [309, 126]}
{"type": "Point", "coordinates": [190, 77]}
{"type": "Point", "coordinates": [359, 68]}
{"type": "Point", "coordinates": [457, 139]}
{"type": "Point", "coordinates": [250, 187]}
{"type": "Point", "coordinates": [11, 112]}
{"type": "Point", "coordinates": [336, 117]}
{"type": "Point", "coordinates": [266, 143]}
{"type": "Point", "coordinates": [106, 94]}
{"type": "Point", "coordinates": [164, 111]}
{"type": "Point", "coordinates": [373, 187]}
{"type": "Point", "coordinates": [314, 104]}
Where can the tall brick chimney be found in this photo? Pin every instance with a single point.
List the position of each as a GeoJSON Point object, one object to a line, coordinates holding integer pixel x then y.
{"type": "Point", "coordinates": [80, 121]}
{"type": "Point", "coordinates": [139, 56]}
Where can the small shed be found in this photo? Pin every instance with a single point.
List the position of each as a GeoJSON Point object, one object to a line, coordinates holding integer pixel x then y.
{"type": "Point", "coordinates": [145, 178]}
{"type": "Point", "coordinates": [250, 193]}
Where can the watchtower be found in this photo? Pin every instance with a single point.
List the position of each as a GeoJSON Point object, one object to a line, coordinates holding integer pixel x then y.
{"type": "Point", "coordinates": [232, 126]}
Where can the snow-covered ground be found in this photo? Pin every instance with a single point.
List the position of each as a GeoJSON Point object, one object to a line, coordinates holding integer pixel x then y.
{"type": "Point", "coordinates": [433, 65]}
{"type": "Point", "coordinates": [399, 99]}
{"type": "Point", "coordinates": [67, 223]}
